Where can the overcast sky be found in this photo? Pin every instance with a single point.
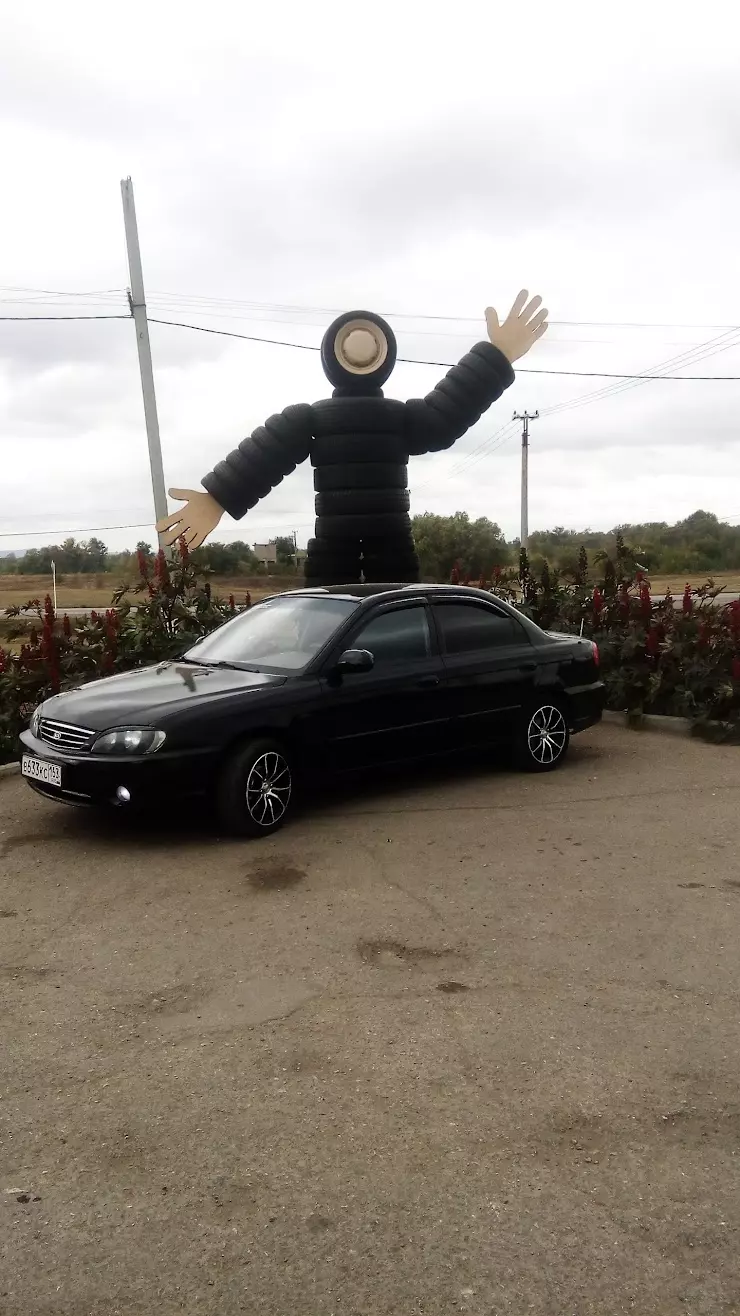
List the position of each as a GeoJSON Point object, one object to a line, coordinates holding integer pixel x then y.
{"type": "Point", "coordinates": [418, 161]}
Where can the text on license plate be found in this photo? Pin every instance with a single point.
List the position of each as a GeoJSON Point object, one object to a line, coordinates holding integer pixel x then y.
{"type": "Point", "coordinates": [50, 773]}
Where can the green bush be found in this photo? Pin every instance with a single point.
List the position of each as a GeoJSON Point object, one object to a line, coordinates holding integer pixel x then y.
{"type": "Point", "coordinates": [173, 609]}
{"type": "Point", "coordinates": [657, 656]}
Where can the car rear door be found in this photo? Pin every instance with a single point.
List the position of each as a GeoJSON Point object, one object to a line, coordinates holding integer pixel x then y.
{"type": "Point", "coordinates": [397, 711]}
{"type": "Point", "coordinates": [491, 667]}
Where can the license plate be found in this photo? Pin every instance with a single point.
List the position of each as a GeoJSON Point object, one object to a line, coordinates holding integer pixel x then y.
{"type": "Point", "coordinates": [38, 770]}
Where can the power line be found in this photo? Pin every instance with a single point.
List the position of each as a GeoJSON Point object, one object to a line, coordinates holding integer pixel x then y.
{"type": "Point", "coordinates": [143, 525]}
{"type": "Point", "coordinates": [17, 318]}
{"type": "Point", "coordinates": [413, 361]}
{"type": "Point", "coordinates": [496, 440]}
{"type": "Point", "coordinates": [699, 353]}
{"type": "Point", "coordinates": [288, 308]}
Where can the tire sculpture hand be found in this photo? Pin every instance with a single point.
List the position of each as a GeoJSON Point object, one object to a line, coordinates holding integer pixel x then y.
{"type": "Point", "coordinates": [521, 328]}
{"type": "Point", "coordinates": [194, 522]}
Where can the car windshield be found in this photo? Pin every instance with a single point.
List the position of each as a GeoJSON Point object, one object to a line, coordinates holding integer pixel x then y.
{"type": "Point", "coordinates": [280, 635]}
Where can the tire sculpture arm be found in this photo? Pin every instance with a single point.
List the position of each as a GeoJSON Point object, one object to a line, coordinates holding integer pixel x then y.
{"type": "Point", "coordinates": [469, 388]}
{"type": "Point", "coordinates": [239, 482]}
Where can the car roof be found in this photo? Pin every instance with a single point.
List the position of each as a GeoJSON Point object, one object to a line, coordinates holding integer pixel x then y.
{"type": "Point", "coordinates": [390, 589]}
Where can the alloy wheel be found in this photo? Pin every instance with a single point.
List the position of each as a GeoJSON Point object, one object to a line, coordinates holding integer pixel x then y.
{"type": "Point", "coordinates": [269, 787]}
{"type": "Point", "coordinates": [547, 735]}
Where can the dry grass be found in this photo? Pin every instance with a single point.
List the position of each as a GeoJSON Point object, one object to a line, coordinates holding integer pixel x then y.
{"type": "Point", "coordinates": [97, 591]}
{"type": "Point", "coordinates": [660, 584]}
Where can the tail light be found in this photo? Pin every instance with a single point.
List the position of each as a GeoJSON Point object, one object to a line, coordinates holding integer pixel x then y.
{"type": "Point", "coordinates": [597, 658]}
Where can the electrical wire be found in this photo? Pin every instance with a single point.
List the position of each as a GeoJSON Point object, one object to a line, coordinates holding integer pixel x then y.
{"type": "Point", "coordinates": [311, 347]}
{"type": "Point", "coordinates": [49, 318]}
{"type": "Point", "coordinates": [494, 442]}
{"type": "Point", "coordinates": [265, 526]}
{"type": "Point", "coordinates": [287, 308]}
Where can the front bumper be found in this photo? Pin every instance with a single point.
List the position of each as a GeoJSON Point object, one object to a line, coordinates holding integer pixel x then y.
{"type": "Point", "coordinates": [95, 779]}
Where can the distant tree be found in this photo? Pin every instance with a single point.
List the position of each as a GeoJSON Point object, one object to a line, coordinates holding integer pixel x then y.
{"type": "Point", "coordinates": [443, 541]}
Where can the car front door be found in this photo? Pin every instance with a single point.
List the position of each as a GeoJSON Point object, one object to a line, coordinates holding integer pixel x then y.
{"type": "Point", "coordinates": [399, 709]}
{"type": "Point", "coordinates": [490, 666]}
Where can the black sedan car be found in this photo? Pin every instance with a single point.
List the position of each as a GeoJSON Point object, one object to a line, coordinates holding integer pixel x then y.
{"type": "Point", "coordinates": [315, 683]}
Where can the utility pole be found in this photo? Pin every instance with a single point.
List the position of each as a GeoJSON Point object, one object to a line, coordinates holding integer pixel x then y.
{"type": "Point", "coordinates": [525, 418]}
{"type": "Point", "coordinates": [137, 304]}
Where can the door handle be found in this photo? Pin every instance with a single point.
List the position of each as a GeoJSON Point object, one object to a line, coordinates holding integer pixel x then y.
{"type": "Point", "coordinates": [428, 681]}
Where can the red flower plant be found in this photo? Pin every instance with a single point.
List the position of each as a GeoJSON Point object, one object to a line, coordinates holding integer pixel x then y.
{"type": "Point", "coordinates": [232, 603]}
{"type": "Point", "coordinates": [184, 551]}
{"type": "Point", "coordinates": [248, 599]}
{"type": "Point", "coordinates": [143, 564]}
{"type": "Point", "coordinates": [705, 632]}
{"type": "Point", "coordinates": [646, 602]}
{"type": "Point", "coordinates": [455, 575]}
{"type": "Point", "coordinates": [67, 626]}
{"type": "Point", "coordinates": [161, 570]}
{"type": "Point", "coordinates": [598, 600]}
{"type": "Point", "coordinates": [652, 642]}
{"type": "Point", "coordinates": [688, 602]}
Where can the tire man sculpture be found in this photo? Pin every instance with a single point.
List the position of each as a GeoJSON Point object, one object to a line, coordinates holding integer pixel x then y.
{"type": "Point", "coordinates": [359, 443]}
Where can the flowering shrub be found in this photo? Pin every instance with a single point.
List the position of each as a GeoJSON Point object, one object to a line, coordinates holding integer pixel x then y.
{"type": "Point", "coordinates": [173, 607]}
{"type": "Point", "coordinates": [656, 657]}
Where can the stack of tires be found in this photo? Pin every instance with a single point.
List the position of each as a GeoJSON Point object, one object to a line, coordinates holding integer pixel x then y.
{"type": "Point", "coordinates": [363, 527]}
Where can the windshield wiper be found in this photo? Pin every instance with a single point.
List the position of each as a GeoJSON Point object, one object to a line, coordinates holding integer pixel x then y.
{"type": "Point", "coordinates": [231, 666]}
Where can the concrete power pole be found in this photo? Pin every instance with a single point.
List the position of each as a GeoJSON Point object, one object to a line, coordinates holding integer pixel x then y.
{"type": "Point", "coordinates": [525, 418]}
{"type": "Point", "coordinates": [137, 302]}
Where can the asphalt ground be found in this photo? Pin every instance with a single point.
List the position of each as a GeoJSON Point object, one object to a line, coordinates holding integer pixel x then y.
{"type": "Point", "coordinates": [462, 1043]}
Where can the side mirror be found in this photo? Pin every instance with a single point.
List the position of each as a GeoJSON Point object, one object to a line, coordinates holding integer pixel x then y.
{"type": "Point", "coordinates": [355, 660]}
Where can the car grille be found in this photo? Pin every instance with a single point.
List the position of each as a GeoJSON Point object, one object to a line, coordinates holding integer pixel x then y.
{"type": "Point", "coordinates": [74, 739]}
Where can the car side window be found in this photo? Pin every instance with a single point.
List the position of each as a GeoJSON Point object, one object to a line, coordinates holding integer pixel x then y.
{"type": "Point", "coordinates": [397, 636]}
{"type": "Point", "coordinates": [470, 627]}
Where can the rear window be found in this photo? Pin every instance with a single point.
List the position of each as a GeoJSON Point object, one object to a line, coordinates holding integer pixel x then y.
{"type": "Point", "coordinates": [470, 627]}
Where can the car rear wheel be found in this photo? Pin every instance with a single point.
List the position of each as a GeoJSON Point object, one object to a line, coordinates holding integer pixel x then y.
{"type": "Point", "coordinates": [542, 737]}
{"type": "Point", "coordinates": [255, 792]}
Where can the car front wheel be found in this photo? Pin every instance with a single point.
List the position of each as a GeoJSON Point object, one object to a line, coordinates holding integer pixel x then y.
{"type": "Point", "coordinates": [543, 737]}
{"type": "Point", "coordinates": [255, 793]}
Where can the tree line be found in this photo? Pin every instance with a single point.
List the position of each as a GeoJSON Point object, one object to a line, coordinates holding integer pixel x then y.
{"type": "Point", "coordinates": [699, 544]}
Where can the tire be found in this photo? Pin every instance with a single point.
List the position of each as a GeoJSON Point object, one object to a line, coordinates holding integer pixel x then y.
{"type": "Point", "coordinates": [243, 805]}
{"type": "Point", "coordinates": [362, 502]}
{"type": "Point", "coordinates": [356, 449]}
{"type": "Point", "coordinates": [360, 475]}
{"type": "Point", "coordinates": [391, 573]}
{"type": "Point", "coordinates": [333, 556]}
{"type": "Point", "coordinates": [329, 579]}
{"type": "Point", "coordinates": [543, 737]}
{"type": "Point", "coordinates": [371, 526]}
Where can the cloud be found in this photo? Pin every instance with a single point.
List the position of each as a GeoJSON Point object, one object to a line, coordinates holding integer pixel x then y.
{"type": "Point", "coordinates": [318, 160]}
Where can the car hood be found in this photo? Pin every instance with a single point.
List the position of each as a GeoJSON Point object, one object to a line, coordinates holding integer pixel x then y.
{"type": "Point", "coordinates": [142, 695]}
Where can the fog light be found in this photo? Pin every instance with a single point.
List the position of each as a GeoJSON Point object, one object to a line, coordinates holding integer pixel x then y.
{"type": "Point", "coordinates": [123, 795]}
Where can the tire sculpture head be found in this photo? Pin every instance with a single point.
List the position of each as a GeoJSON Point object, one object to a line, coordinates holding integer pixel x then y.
{"type": "Point", "coordinates": [358, 352]}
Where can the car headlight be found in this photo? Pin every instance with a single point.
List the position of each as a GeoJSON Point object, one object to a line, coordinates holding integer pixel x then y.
{"type": "Point", "coordinates": [129, 740]}
{"type": "Point", "coordinates": [35, 721]}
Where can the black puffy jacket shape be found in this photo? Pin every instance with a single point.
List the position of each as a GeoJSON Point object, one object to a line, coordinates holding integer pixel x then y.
{"type": "Point", "coordinates": [359, 446]}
